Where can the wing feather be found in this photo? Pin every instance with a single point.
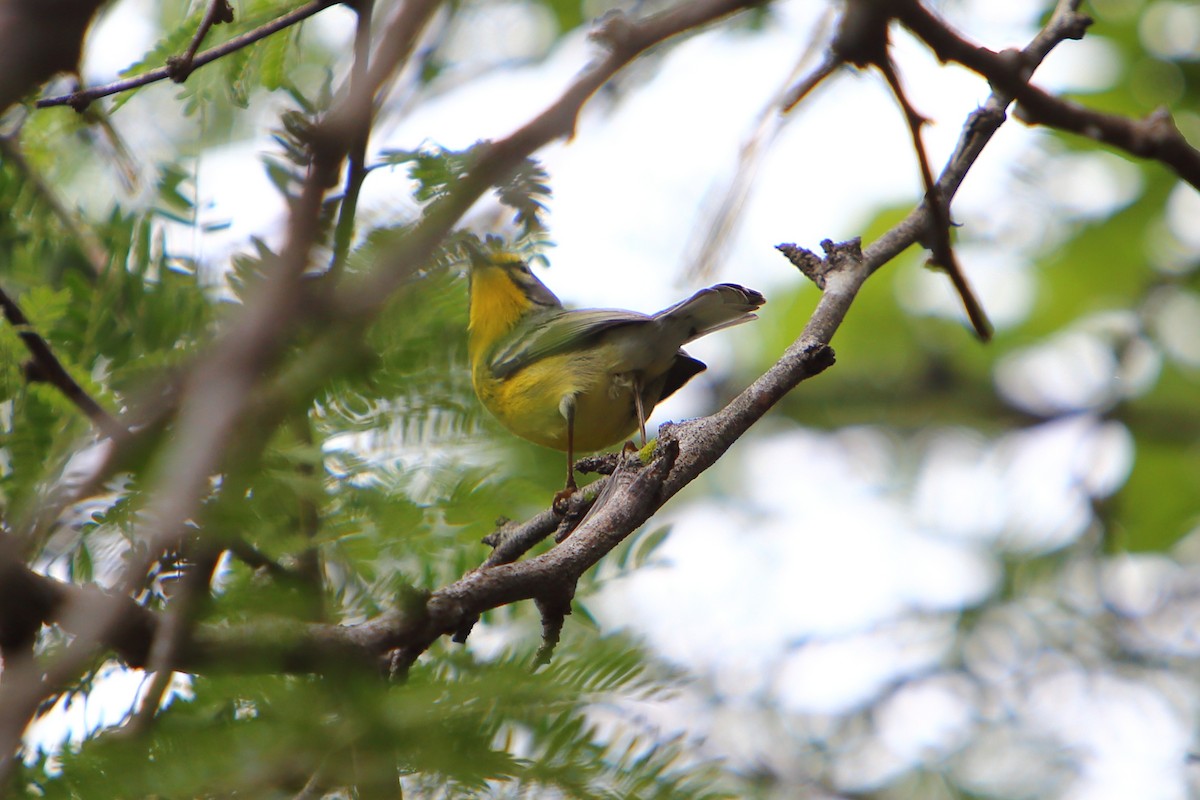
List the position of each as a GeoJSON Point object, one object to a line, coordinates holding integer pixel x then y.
{"type": "Point", "coordinates": [555, 333]}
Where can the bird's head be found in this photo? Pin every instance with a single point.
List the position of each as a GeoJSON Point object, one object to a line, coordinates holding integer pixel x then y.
{"type": "Point", "coordinates": [501, 278]}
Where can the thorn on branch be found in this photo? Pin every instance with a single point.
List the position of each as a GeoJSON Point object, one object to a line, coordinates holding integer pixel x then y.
{"type": "Point", "coordinates": [819, 357]}
{"type": "Point", "coordinates": [1075, 25]}
{"type": "Point", "coordinates": [78, 100]}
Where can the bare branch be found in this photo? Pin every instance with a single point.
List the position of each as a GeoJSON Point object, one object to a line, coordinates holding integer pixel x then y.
{"type": "Point", "coordinates": [939, 245]}
{"type": "Point", "coordinates": [1155, 137]}
{"type": "Point", "coordinates": [863, 40]}
{"type": "Point", "coordinates": [804, 87]}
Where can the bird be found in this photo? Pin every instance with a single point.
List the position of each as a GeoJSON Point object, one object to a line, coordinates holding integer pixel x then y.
{"type": "Point", "coordinates": [580, 380]}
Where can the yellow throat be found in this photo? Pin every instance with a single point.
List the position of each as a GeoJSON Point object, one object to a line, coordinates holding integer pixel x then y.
{"type": "Point", "coordinates": [496, 306]}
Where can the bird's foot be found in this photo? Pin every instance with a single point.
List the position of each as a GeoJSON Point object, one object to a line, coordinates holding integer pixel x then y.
{"type": "Point", "coordinates": [563, 498]}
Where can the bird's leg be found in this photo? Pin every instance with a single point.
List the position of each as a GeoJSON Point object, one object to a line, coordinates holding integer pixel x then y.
{"type": "Point", "coordinates": [639, 407]}
{"type": "Point", "coordinates": [567, 408]}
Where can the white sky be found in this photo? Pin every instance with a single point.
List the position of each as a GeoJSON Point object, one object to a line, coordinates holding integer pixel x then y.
{"type": "Point", "coordinates": [809, 578]}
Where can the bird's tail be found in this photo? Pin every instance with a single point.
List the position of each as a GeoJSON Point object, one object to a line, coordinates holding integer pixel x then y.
{"type": "Point", "coordinates": [712, 309]}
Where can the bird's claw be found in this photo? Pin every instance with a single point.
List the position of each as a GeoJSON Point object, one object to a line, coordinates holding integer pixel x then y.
{"type": "Point", "coordinates": [562, 499]}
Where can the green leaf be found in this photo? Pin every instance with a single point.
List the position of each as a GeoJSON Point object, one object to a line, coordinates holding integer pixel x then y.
{"type": "Point", "coordinates": [1158, 504]}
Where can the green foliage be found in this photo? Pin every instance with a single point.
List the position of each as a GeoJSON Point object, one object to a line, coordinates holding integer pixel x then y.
{"type": "Point", "coordinates": [465, 726]}
{"type": "Point", "coordinates": [438, 171]}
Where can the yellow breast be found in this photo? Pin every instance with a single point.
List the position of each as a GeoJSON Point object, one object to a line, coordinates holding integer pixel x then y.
{"type": "Point", "coordinates": [528, 401]}
{"type": "Point", "coordinates": [497, 305]}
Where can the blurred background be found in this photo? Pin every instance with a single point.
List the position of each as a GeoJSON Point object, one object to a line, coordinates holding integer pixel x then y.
{"type": "Point", "coordinates": [941, 569]}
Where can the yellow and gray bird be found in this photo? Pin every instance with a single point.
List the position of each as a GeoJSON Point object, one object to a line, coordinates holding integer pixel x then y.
{"type": "Point", "coordinates": [581, 380]}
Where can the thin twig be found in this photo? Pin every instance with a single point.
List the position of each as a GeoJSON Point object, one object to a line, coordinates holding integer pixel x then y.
{"type": "Point", "coordinates": [804, 87]}
{"type": "Point", "coordinates": [181, 66]}
{"type": "Point", "coordinates": [45, 366]}
{"type": "Point", "coordinates": [939, 245]}
{"type": "Point", "coordinates": [356, 169]}
{"type": "Point", "coordinates": [82, 98]}
{"type": "Point", "coordinates": [863, 39]}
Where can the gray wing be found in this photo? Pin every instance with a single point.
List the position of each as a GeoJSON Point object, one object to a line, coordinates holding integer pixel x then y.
{"type": "Point", "coordinates": [557, 333]}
